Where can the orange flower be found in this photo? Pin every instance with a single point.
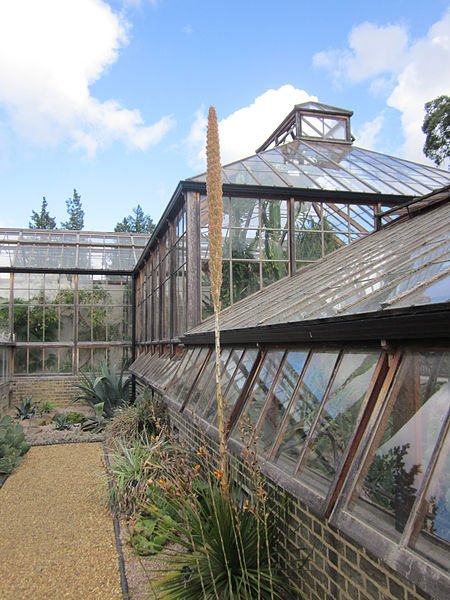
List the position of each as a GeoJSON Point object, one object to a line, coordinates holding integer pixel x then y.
{"type": "Point", "coordinates": [200, 451]}
{"type": "Point", "coordinates": [196, 468]}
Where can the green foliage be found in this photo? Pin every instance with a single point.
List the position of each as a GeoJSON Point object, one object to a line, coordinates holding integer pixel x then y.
{"type": "Point", "coordinates": [128, 472]}
{"type": "Point", "coordinates": [149, 534]}
{"type": "Point", "coordinates": [139, 223]}
{"type": "Point", "coordinates": [108, 388]}
{"type": "Point", "coordinates": [46, 406]}
{"type": "Point", "coordinates": [42, 220]}
{"type": "Point", "coordinates": [27, 409]}
{"type": "Point", "coordinates": [75, 212]}
{"type": "Point", "coordinates": [61, 422]}
{"type": "Point", "coordinates": [75, 417]}
{"type": "Point", "coordinates": [143, 418]}
{"type": "Point", "coordinates": [12, 444]}
{"type": "Point", "coordinates": [436, 126]}
{"type": "Point", "coordinates": [96, 423]}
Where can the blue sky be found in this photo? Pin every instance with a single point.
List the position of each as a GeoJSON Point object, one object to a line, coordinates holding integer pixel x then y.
{"type": "Point", "coordinates": [110, 97]}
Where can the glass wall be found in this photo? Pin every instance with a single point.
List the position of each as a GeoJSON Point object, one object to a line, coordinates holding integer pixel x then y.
{"type": "Point", "coordinates": [64, 322]}
{"type": "Point", "coordinates": [161, 285]}
{"type": "Point", "coordinates": [357, 428]}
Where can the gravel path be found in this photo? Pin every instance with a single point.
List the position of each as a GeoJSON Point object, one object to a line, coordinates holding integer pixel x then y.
{"type": "Point", "coordinates": [56, 541]}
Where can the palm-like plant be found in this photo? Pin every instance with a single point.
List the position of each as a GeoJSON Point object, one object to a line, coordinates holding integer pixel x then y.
{"type": "Point", "coordinates": [109, 388]}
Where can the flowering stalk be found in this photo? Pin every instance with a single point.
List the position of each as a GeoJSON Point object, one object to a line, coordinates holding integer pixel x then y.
{"type": "Point", "coordinates": [215, 216]}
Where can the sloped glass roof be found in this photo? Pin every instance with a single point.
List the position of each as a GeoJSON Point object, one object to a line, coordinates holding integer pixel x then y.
{"type": "Point", "coordinates": [404, 265]}
{"type": "Point", "coordinates": [333, 166]}
{"type": "Point", "coordinates": [69, 250]}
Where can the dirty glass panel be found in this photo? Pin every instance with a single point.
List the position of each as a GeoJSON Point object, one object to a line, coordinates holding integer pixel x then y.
{"type": "Point", "coordinates": [244, 244]}
{"type": "Point", "coordinates": [257, 396]}
{"type": "Point", "coordinates": [4, 318]}
{"type": "Point", "coordinates": [177, 382]}
{"type": "Point", "coordinates": [308, 245]}
{"type": "Point", "coordinates": [338, 418]}
{"type": "Point", "coordinates": [226, 374]}
{"type": "Point", "coordinates": [434, 538]}
{"type": "Point", "coordinates": [204, 396]}
{"type": "Point", "coordinates": [279, 400]}
{"type": "Point", "coordinates": [273, 271]}
{"type": "Point", "coordinates": [245, 279]}
{"type": "Point", "coordinates": [232, 392]}
{"type": "Point", "coordinates": [84, 323]}
{"type": "Point", "coordinates": [50, 323]}
{"type": "Point", "coordinates": [35, 360]}
{"type": "Point", "coordinates": [98, 358]}
{"type": "Point", "coordinates": [418, 406]}
{"type": "Point", "coordinates": [20, 321]}
{"type": "Point", "coordinates": [274, 244]}
{"type": "Point", "coordinates": [304, 409]}
{"type": "Point", "coordinates": [20, 360]}
{"type": "Point", "coordinates": [333, 241]}
{"type": "Point", "coordinates": [65, 360]}
{"type": "Point", "coordinates": [191, 373]}
{"type": "Point", "coordinates": [51, 360]}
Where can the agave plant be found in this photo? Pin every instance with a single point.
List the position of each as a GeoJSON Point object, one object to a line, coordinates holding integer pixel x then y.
{"type": "Point", "coordinates": [27, 409]}
{"type": "Point", "coordinates": [109, 388]}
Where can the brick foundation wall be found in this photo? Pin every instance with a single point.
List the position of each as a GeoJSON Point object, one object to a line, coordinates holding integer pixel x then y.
{"type": "Point", "coordinates": [337, 568]}
{"type": "Point", "coordinates": [5, 395]}
{"type": "Point", "coordinates": [58, 389]}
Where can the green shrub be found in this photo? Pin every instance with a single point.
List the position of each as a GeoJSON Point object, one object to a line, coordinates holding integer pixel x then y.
{"type": "Point", "coordinates": [12, 444]}
{"type": "Point", "coordinates": [109, 388]}
{"type": "Point", "coordinates": [143, 418]}
{"type": "Point", "coordinates": [46, 406]}
{"type": "Point", "coordinates": [75, 417]}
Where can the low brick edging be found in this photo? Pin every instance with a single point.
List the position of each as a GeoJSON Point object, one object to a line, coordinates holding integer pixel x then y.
{"type": "Point", "coordinates": [59, 389]}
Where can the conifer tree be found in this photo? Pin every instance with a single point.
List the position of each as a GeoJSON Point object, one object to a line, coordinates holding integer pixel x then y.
{"type": "Point", "coordinates": [139, 223]}
{"type": "Point", "coordinates": [75, 212]}
{"type": "Point", "coordinates": [42, 220]}
{"type": "Point", "coordinates": [436, 126]}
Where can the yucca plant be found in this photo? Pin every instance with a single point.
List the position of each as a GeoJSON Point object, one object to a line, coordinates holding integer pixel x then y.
{"type": "Point", "coordinates": [109, 388]}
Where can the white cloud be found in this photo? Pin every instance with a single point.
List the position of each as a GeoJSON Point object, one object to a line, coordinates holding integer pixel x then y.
{"type": "Point", "coordinates": [51, 51]}
{"type": "Point", "coordinates": [373, 51]}
{"type": "Point", "coordinates": [407, 72]}
{"type": "Point", "coordinates": [367, 135]}
{"type": "Point", "coordinates": [247, 128]}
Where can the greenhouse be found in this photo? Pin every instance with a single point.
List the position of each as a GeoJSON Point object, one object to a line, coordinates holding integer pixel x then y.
{"type": "Point", "coordinates": [334, 331]}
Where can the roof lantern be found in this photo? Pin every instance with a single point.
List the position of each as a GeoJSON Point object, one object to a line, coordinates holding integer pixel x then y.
{"type": "Point", "coordinates": [312, 121]}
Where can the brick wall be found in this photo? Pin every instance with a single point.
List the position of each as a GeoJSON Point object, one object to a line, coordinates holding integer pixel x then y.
{"type": "Point", "coordinates": [59, 389]}
{"type": "Point", "coordinates": [5, 395]}
{"type": "Point", "coordinates": [337, 568]}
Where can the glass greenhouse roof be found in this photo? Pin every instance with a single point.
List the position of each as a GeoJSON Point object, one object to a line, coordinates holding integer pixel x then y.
{"type": "Point", "coordinates": [69, 250]}
{"type": "Point", "coordinates": [404, 265]}
{"type": "Point", "coordinates": [333, 166]}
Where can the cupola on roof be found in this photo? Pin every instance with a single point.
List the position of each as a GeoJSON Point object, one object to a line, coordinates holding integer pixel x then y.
{"type": "Point", "coordinates": [312, 121]}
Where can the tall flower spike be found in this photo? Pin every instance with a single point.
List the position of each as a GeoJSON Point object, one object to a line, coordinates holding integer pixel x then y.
{"type": "Point", "coordinates": [215, 216]}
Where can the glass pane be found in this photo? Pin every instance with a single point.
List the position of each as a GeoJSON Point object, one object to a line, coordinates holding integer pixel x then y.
{"type": "Point", "coordinates": [65, 360]}
{"type": "Point", "coordinates": [419, 402]}
{"type": "Point", "coordinates": [274, 214]}
{"type": "Point", "coordinates": [51, 360]}
{"type": "Point", "coordinates": [273, 271]}
{"type": "Point", "coordinates": [280, 399]}
{"type": "Point", "coordinates": [244, 213]}
{"type": "Point", "coordinates": [206, 395]}
{"type": "Point", "coordinates": [308, 245]}
{"type": "Point", "coordinates": [35, 360]}
{"type": "Point", "coordinates": [244, 244]}
{"type": "Point", "coordinates": [20, 360]}
{"type": "Point", "coordinates": [245, 279]}
{"type": "Point", "coordinates": [258, 394]}
{"type": "Point", "coordinates": [191, 373]}
{"type": "Point", "coordinates": [303, 412]}
{"type": "Point", "coordinates": [338, 419]}
{"type": "Point", "coordinates": [434, 537]}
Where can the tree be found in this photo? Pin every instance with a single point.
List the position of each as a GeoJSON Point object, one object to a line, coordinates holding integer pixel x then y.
{"type": "Point", "coordinates": [75, 212]}
{"type": "Point", "coordinates": [139, 223]}
{"type": "Point", "coordinates": [42, 220]}
{"type": "Point", "coordinates": [436, 126]}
